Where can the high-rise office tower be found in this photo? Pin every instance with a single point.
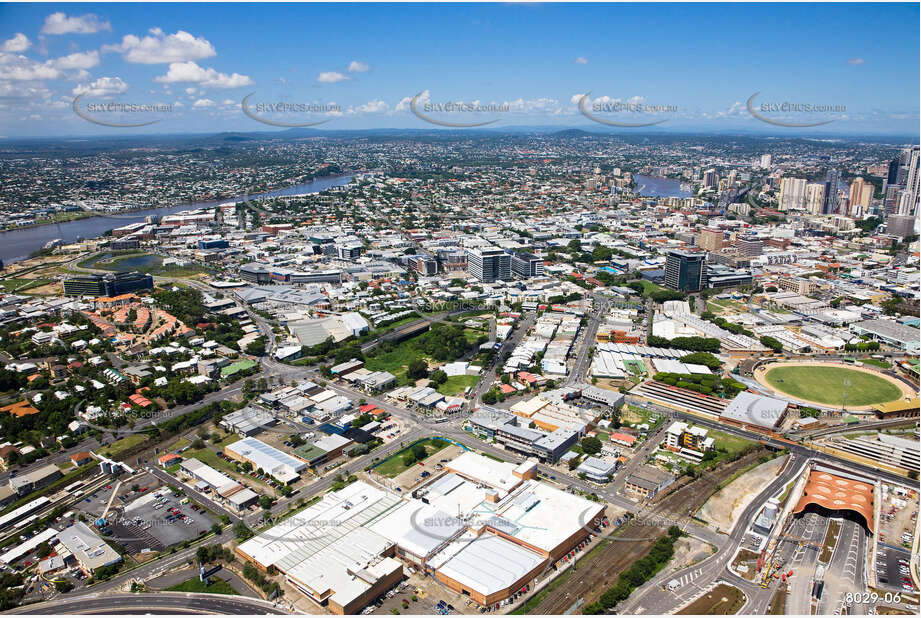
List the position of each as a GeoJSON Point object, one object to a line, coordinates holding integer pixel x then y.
{"type": "Point", "coordinates": [861, 192]}
{"type": "Point", "coordinates": [891, 199]}
{"type": "Point", "coordinates": [489, 264]}
{"type": "Point", "coordinates": [710, 239]}
{"type": "Point", "coordinates": [685, 271]}
{"type": "Point", "coordinates": [892, 177]}
{"type": "Point", "coordinates": [527, 265]}
{"type": "Point", "coordinates": [711, 179]}
{"type": "Point", "coordinates": [765, 161]}
{"type": "Point", "coordinates": [832, 180]}
{"type": "Point", "coordinates": [749, 245]}
{"type": "Point", "coordinates": [815, 197]}
{"type": "Point", "coordinates": [792, 194]}
{"type": "Point", "coordinates": [909, 205]}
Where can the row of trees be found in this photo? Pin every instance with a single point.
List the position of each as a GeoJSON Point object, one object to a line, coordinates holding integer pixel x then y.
{"type": "Point", "coordinates": [638, 574]}
{"type": "Point", "coordinates": [691, 344]}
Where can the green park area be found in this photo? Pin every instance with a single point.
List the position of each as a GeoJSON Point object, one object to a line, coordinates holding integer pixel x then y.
{"type": "Point", "coordinates": [22, 285]}
{"type": "Point", "coordinates": [124, 444]}
{"type": "Point", "coordinates": [439, 345]}
{"type": "Point", "coordinates": [826, 385]}
{"type": "Point", "coordinates": [402, 460]}
{"type": "Point", "coordinates": [215, 586]}
{"type": "Point", "coordinates": [455, 385]}
{"type": "Point", "coordinates": [144, 262]}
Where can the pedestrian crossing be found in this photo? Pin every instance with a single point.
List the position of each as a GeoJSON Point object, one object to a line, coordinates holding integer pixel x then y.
{"type": "Point", "coordinates": [690, 576]}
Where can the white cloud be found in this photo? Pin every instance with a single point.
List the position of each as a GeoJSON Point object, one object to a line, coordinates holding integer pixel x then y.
{"type": "Point", "coordinates": [60, 23]}
{"type": "Point", "coordinates": [15, 67]}
{"type": "Point", "coordinates": [189, 72]}
{"type": "Point", "coordinates": [358, 67]}
{"type": "Point", "coordinates": [229, 102]}
{"type": "Point", "coordinates": [331, 77]}
{"type": "Point", "coordinates": [159, 48]}
{"type": "Point", "coordinates": [203, 103]}
{"type": "Point", "coordinates": [19, 43]}
{"type": "Point", "coordinates": [855, 61]}
{"type": "Point", "coordinates": [9, 90]}
{"type": "Point", "coordinates": [103, 86]}
{"type": "Point", "coordinates": [79, 60]}
{"type": "Point", "coordinates": [371, 107]}
{"type": "Point", "coordinates": [736, 109]}
{"type": "Point", "coordinates": [403, 105]}
{"type": "Point", "coordinates": [581, 60]}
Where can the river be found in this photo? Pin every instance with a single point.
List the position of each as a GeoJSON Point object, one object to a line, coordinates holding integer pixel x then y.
{"type": "Point", "coordinates": [18, 244]}
{"type": "Point", "coordinates": [655, 186]}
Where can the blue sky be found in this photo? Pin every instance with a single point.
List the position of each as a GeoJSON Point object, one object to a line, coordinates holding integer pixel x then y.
{"type": "Point", "coordinates": [692, 67]}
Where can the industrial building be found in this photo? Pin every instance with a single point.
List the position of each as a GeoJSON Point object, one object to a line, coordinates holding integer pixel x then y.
{"type": "Point", "coordinates": [269, 459]}
{"type": "Point", "coordinates": [86, 548]}
{"type": "Point", "coordinates": [889, 332]}
{"type": "Point", "coordinates": [36, 479]}
{"type": "Point", "coordinates": [483, 528]}
{"type": "Point", "coordinates": [755, 411]}
{"type": "Point", "coordinates": [248, 421]}
{"type": "Point", "coordinates": [647, 481]}
{"type": "Point", "coordinates": [329, 553]}
{"type": "Point", "coordinates": [232, 492]}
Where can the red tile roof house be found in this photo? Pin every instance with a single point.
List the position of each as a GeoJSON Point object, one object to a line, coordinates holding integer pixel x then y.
{"type": "Point", "coordinates": [622, 438]}
{"type": "Point", "coordinates": [169, 459]}
{"type": "Point", "coordinates": [81, 458]}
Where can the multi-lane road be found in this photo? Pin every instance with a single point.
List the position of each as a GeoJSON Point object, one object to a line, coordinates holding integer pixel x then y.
{"type": "Point", "coordinates": [149, 603]}
{"type": "Point", "coordinates": [654, 597]}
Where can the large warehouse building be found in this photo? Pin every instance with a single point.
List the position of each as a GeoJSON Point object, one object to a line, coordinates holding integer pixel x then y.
{"type": "Point", "coordinates": [483, 528]}
{"type": "Point", "coordinates": [329, 553]}
{"type": "Point", "coordinates": [269, 459]}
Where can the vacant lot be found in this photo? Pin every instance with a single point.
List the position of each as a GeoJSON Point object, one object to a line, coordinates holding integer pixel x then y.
{"type": "Point", "coordinates": [397, 462]}
{"type": "Point", "coordinates": [455, 385]}
{"type": "Point", "coordinates": [120, 446]}
{"type": "Point", "coordinates": [723, 600]}
{"type": "Point", "coordinates": [825, 384]}
{"type": "Point", "coordinates": [216, 586]}
{"type": "Point", "coordinates": [21, 285]}
{"type": "Point", "coordinates": [725, 506]}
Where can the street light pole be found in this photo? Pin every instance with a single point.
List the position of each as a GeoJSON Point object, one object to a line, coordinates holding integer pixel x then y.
{"type": "Point", "coordinates": [847, 383]}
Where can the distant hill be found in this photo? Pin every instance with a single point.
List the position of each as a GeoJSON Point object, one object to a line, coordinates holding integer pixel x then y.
{"type": "Point", "coordinates": [567, 133]}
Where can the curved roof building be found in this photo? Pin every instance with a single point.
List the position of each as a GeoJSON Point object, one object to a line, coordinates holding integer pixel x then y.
{"type": "Point", "coordinates": [837, 493]}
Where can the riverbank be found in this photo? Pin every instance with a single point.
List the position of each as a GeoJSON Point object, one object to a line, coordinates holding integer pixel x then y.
{"type": "Point", "coordinates": [18, 244]}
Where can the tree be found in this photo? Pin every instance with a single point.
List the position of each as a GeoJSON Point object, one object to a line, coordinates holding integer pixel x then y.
{"type": "Point", "coordinates": [891, 306]}
{"type": "Point", "coordinates": [417, 369]}
{"type": "Point", "coordinates": [702, 358]}
{"type": "Point", "coordinates": [591, 445]}
{"type": "Point", "coordinates": [63, 585]}
{"type": "Point", "coordinates": [438, 377]}
{"type": "Point", "coordinates": [216, 529]}
{"type": "Point", "coordinates": [490, 397]}
{"type": "Point", "coordinates": [265, 502]}
{"type": "Point", "coordinates": [241, 531]}
{"type": "Point", "coordinates": [419, 452]}
{"type": "Point", "coordinates": [772, 343]}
